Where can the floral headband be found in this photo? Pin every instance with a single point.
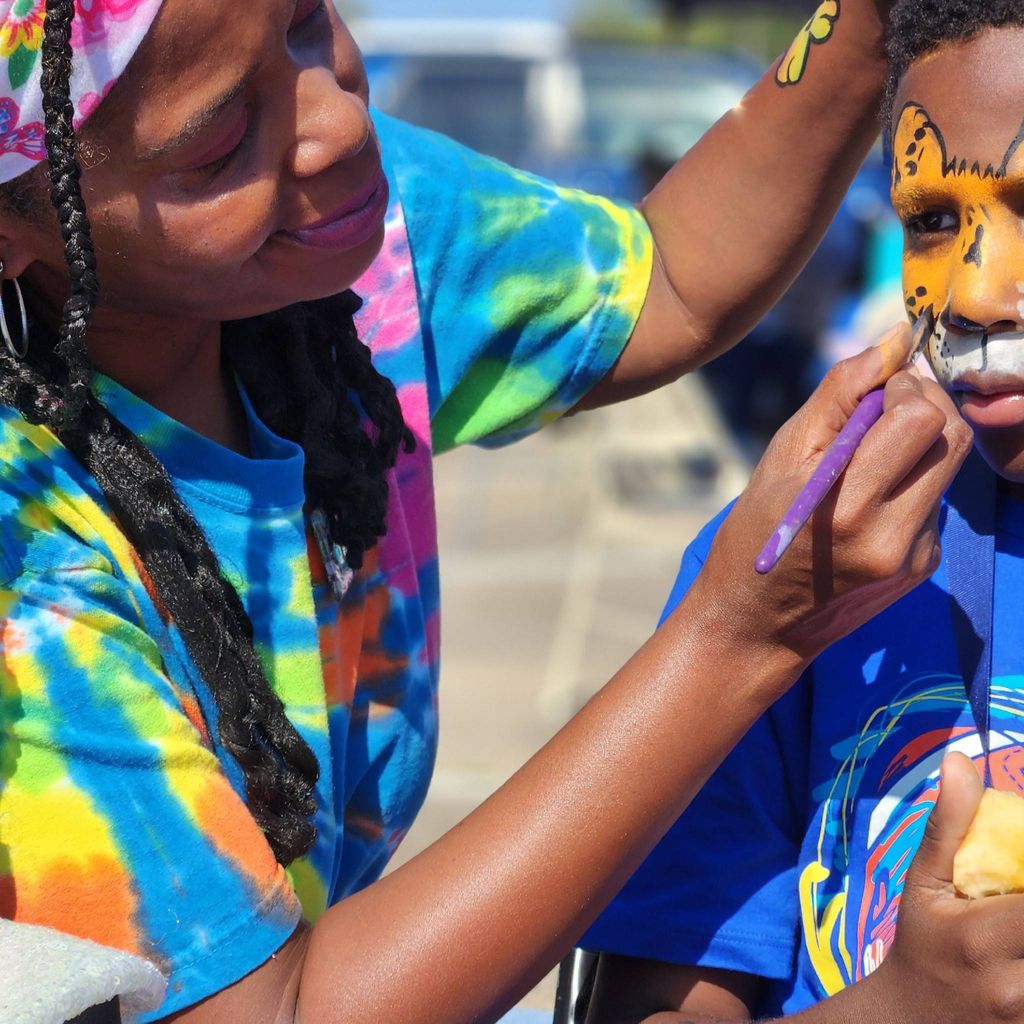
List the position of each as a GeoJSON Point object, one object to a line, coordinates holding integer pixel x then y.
{"type": "Point", "coordinates": [105, 35]}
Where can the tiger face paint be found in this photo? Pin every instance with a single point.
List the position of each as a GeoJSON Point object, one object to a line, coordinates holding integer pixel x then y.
{"type": "Point", "coordinates": [958, 188]}
{"type": "Point", "coordinates": [964, 252]}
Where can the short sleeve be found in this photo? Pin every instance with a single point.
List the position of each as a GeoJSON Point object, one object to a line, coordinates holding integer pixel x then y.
{"type": "Point", "coordinates": [720, 890]}
{"type": "Point", "coordinates": [117, 823]}
{"type": "Point", "coordinates": [528, 292]}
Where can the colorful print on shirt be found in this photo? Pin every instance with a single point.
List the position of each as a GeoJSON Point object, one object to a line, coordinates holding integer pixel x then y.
{"type": "Point", "coordinates": [810, 825]}
{"type": "Point", "coordinates": [122, 819]}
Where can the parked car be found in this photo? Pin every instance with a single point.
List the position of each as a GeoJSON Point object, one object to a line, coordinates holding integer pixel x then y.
{"type": "Point", "coordinates": [588, 116]}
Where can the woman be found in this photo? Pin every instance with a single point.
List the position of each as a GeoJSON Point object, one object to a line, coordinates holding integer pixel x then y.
{"type": "Point", "coordinates": [201, 699]}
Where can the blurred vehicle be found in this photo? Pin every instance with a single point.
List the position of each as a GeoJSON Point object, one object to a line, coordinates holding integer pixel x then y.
{"type": "Point", "coordinates": [611, 119]}
{"type": "Point", "coordinates": [587, 116]}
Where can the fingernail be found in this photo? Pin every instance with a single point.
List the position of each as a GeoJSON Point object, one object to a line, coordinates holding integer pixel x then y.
{"type": "Point", "coordinates": [894, 347]}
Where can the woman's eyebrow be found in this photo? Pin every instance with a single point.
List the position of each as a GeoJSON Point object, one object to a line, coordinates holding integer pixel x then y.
{"type": "Point", "coordinates": [198, 122]}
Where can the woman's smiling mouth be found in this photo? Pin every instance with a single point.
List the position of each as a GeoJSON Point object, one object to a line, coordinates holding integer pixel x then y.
{"type": "Point", "coordinates": [350, 225]}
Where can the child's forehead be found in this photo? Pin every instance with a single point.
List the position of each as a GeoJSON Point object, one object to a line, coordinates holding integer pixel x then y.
{"type": "Point", "coordinates": [973, 91]}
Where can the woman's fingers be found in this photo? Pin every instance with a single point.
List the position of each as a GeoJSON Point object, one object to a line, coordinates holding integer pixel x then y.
{"type": "Point", "coordinates": [912, 454]}
{"type": "Point", "coordinates": [909, 427]}
{"type": "Point", "coordinates": [898, 476]}
{"type": "Point", "coordinates": [931, 476]}
{"type": "Point", "coordinates": [816, 425]}
{"type": "Point", "coordinates": [876, 534]}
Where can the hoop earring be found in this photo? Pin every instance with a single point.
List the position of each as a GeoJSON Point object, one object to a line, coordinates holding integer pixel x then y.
{"type": "Point", "coordinates": [20, 350]}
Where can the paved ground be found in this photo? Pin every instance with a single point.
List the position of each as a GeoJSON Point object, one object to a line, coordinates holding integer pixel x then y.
{"type": "Point", "coordinates": [557, 555]}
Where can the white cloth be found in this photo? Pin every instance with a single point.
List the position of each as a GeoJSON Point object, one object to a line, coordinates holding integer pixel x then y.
{"type": "Point", "coordinates": [50, 978]}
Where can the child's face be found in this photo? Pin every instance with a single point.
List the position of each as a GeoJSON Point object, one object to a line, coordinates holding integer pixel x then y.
{"type": "Point", "coordinates": [958, 187]}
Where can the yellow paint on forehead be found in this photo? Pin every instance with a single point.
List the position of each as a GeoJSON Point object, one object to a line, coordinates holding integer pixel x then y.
{"type": "Point", "coordinates": [986, 252]}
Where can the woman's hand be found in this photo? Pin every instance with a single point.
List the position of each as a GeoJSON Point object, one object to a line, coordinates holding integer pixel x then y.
{"type": "Point", "coordinates": [874, 538]}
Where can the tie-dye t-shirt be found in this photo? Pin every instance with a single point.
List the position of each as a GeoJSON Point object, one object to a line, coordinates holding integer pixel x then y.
{"type": "Point", "coordinates": [498, 301]}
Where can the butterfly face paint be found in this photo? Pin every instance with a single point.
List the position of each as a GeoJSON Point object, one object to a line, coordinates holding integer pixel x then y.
{"type": "Point", "coordinates": [817, 30]}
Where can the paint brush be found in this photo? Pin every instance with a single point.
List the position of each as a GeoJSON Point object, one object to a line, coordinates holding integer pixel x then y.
{"type": "Point", "coordinates": [836, 459]}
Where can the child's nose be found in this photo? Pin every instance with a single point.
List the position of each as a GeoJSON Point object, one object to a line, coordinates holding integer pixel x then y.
{"type": "Point", "coordinates": [987, 281]}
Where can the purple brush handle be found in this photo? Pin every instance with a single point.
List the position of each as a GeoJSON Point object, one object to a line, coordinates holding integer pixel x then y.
{"type": "Point", "coordinates": [829, 470]}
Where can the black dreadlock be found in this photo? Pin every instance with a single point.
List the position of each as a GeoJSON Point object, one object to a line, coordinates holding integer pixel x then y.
{"type": "Point", "coordinates": [918, 27]}
{"type": "Point", "coordinates": [310, 379]}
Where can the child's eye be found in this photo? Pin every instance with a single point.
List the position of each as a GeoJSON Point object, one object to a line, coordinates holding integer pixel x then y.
{"type": "Point", "coordinates": [931, 222]}
{"type": "Point", "coordinates": [306, 11]}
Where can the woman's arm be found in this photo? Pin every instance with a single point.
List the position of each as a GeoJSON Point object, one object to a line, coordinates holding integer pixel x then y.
{"type": "Point", "coordinates": [737, 218]}
{"type": "Point", "coordinates": [459, 933]}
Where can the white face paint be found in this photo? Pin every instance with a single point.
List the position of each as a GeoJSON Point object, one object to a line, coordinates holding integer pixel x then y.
{"type": "Point", "coordinates": [954, 356]}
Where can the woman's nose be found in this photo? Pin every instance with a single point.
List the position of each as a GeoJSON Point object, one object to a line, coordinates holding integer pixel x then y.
{"type": "Point", "coordinates": [333, 125]}
{"type": "Point", "coordinates": [987, 281]}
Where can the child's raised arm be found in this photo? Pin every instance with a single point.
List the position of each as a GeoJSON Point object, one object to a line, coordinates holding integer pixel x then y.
{"type": "Point", "coordinates": [737, 218]}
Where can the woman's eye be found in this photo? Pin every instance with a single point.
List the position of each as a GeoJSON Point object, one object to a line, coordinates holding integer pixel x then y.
{"type": "Point", "coordinates": [306, 11]}
{"type": "Point", "coordinates": [211, 168]}
{"type": "Point", "coordinates": [932, 222]}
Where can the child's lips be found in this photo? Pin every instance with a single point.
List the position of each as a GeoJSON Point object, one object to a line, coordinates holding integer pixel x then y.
{"type": "Point", "coordinates": [992, 402]}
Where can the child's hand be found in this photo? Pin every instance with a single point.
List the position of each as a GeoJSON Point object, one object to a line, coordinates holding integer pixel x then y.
{"type": "Point", "coordinates": [953, 959]}
{"type": "Point", "coordinates": [871, 541]}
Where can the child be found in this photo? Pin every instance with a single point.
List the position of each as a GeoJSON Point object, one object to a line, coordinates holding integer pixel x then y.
{"type": "Point", "coordinates": [783, 882]}
{"type": "Point", "coordinates": [219, 602]}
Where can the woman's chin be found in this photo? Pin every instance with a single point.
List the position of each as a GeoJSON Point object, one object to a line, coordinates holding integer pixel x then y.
{"type": "Point", "coordinates": [295, 274]}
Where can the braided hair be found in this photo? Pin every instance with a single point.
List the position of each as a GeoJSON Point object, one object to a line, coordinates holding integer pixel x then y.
{"type": "Point", "coordinates": [309, 378]}
{"type": "Point", "coordinates": [919, 27]}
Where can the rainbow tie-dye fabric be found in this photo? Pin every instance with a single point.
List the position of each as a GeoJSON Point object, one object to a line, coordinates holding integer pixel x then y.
{"type": "Point", "coordinates": [498, 301]}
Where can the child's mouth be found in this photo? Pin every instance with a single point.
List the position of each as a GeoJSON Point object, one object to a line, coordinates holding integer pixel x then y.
{"type": "Point", "coordinates": [993, 402]}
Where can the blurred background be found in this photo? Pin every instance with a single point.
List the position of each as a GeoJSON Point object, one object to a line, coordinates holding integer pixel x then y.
{"type": "Point", "coordinates": [558, 553]}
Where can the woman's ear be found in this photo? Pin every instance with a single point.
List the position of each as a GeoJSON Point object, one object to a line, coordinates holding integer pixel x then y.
{"type": "Point", "coordinates": [15, 252]}
{"type": "Point", "coordinates": [24, 243]}
{"type": "Point", "coordinates": [28, 226]}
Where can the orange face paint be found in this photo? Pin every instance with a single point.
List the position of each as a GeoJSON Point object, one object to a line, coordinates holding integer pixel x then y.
{"type": "Point", "coordinates": [964, 253]}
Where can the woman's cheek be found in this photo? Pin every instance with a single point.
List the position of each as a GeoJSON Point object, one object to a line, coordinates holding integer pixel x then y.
{"type": "Point", "coordinates": [222, 233]}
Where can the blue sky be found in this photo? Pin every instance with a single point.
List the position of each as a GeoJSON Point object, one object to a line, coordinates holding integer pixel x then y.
{"type": "Point", "coordinates": [463, 8]}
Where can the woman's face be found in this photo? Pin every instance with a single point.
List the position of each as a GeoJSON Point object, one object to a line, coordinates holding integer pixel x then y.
{"type": "Point", "coordinates": [232, 170]}
{"type": "Point", "coordinates": [958, 187]}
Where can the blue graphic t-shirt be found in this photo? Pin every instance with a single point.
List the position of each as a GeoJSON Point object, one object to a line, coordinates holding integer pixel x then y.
{"type": "Point", "coordinates": [790, 864]}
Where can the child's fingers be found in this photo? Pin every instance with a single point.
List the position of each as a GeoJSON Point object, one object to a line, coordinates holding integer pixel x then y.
{"type": "Point", "coordinates": [959, 795]}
